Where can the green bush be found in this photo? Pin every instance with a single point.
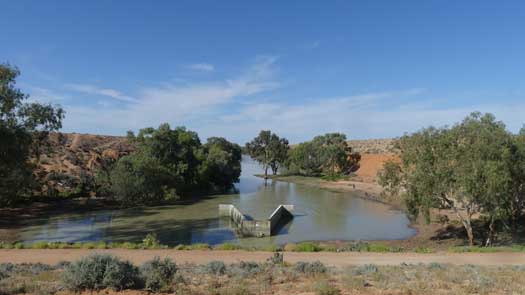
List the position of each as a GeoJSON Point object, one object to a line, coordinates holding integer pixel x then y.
{"type": "Point", "coordinates": [151, 241]}
{"type": "Point", "coordinates": [158, 274]}
{"type": "Point", "coordinates": [380, 248]}
{"type": "Point", "coordinates": [227, 246]}
{"type": "Point", "coordinates": [307, 247]}
{"type": "Point", "coordinates": [424, 250]}
{"type": "Point", "coordinates": [310, 268]}
{"type": "Point", "coordinates": [99, 271]}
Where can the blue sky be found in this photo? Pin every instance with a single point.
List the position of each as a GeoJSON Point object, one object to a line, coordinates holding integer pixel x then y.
{"type": "Point", "coordinates": [369, 69]}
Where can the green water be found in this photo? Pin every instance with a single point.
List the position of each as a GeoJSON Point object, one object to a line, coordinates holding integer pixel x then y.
{"type": "Point", "coordinates": [318, 215]}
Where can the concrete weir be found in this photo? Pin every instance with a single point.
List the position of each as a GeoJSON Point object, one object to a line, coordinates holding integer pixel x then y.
{"type": "Point", "coordinates": [257, 228]}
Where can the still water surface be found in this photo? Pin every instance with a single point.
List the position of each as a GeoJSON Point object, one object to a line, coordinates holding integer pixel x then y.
{"type": "Point", "coordinates": [318, 215]}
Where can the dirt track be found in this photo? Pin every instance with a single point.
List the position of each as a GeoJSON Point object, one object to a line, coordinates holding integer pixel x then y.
{"type": "Point", "coordinates": [329, 258]}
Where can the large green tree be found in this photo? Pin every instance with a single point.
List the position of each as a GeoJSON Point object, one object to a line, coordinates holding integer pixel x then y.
{"type": "Point", "coordinates": [327, 154]}
{"type": "Point", "coordinates": [222, 166]}
{"type": "Point", "coordinates": [170, 163]}
{"type": "Point", "coordinates": [461, 168]}
{"type": "Point", "coordinates": [269, 150]}
{"type": "Point", "coordinates": [23, 128]}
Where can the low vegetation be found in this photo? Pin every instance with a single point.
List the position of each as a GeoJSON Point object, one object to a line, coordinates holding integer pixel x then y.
{"type": "Point", "coordinates": [166, 277]}
{"type": "Point", "coordinates": [291, 247]}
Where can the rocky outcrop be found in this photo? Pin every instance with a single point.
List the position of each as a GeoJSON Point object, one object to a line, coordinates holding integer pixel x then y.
{"type": "Point", "coordinates": [70, 156]}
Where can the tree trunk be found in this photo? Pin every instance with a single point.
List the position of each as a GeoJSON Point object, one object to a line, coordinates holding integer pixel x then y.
{"type": "Point", "coordinates": [490, 238]}
{"type": "Point", "coordinates": [470, 235]}
{"type": "Point", "coordinates": [265, 174]}
{"type": "Point", "coordinates": [466, 223]}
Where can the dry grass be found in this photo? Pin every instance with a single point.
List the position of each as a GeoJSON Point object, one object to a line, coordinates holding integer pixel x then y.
{"type": "Point", "coordinates": [267, 278]}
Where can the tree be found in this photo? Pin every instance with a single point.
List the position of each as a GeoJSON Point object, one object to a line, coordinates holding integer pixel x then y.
{"type": "Point", "coordinates": [140, 179]}
{"type": "Point", "coordinates": [460, 167]}
{"type": "Point", "coordinates": [389, 177]}
{"type": "Point", "coordinates": [171, 163]}
{"type": "Point", "coordinates": [278, 153]}
{"type": "Point", "coordinates": [327, 154]}
{"type": "Point", "coordinates": [514, 158]}
{"type": "Point", "coordinates": [222, 166]}
{"type": "Point", "coordinates": [305, 159]}
{"type": "Point", "coordinates": [23, 126]}
{"type": "Point", "coordinates": [269, 150]}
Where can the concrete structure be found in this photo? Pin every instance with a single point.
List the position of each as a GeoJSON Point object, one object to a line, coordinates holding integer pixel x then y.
{"type": "Point", "coordinates": [257, 228]}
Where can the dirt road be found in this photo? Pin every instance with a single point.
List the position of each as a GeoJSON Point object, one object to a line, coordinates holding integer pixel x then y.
{"type": "Point", "coordinates": [328, 258]}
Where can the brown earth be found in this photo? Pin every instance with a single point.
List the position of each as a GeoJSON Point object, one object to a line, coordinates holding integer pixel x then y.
{"type": "Point", "coordinates": [70, 156]}
{"type": "Point", "coordinates": [53, 256]}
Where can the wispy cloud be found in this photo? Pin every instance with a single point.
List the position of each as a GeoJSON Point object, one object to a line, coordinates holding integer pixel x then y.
{"type": "Point", "coordinates": [203, 67]}
{"type": "Point", "coordinates": [174, 103]}
{"type": "Point", "coordinates": [44, 95]}
{"type": "Point", "coordinates": [95, 90]}
{"type": "Point", "coordinates": [239, 106]}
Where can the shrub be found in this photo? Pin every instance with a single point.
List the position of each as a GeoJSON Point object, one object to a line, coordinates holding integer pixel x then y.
{"type": "Point", "coordinates": [424, 250]}
{"type": "Point", "coordinates": [40, 245]}
{"type": "Point", "coordinates": [99, 271]}
{"type": "Point", "coordinates": [245, 269]}
{"type": "Point", "coordinates": [215, 267]}
{"type": "Point", "coordinates": [227, 246]}
{"type": "Point", "coordinates": [307, 247]}
{"type": "Point", "coordinates": [435, 265]}
{"type": "Point", "coordinates": [151, 241]}
{"type": "Point", "coordinates": [158, 274]}
{"type": "Point", "coordinates": [276, 259]}
{"type": "Point", "coordinates": [325, 288]}
{"type": "Point", "coordinates": [380, 248]}
{"type": "Point", "coordinates": [310, 268]}
{"type": "Point", "coordinates": [365, 269]}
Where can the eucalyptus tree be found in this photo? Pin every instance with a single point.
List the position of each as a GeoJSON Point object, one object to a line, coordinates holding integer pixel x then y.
{"type": "Point", "coordinates": [23, 128]}
{"type": "Point", "coordinates": [171, 163]}
{"type": "Point", "coordinates": [327, 154]}
{"type": "Point", "coordinates": [269, 150]}
{"type": "Point", "coordinates": [461, 168]}
{"type": "Point", "coordinates": [279, 148]}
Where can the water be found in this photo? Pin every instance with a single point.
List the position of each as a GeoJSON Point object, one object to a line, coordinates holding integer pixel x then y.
{"type": "Point", "coordinates": [319, 215]}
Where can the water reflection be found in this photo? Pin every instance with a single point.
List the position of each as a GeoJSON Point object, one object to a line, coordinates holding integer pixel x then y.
{"type": "Point", "coordinates": [319, 215]}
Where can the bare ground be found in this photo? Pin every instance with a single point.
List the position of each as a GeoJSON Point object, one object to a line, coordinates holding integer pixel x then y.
{"type": "Point", "coordinates": [53, 256]}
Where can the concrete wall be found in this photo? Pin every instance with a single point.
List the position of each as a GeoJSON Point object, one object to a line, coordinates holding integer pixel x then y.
{"type": "Point", "coordinates": [257, 228]}
{"type": "Point", "coordinates": [282, 212]}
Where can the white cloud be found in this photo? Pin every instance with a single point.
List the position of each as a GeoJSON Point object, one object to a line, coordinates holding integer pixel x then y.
{"type": "Point", "coordinates": [359, 116]}
{"type": "Point", "coordinates": [233, 108]}
{"type": "Point", "coordinates": [172, 103]}
{"type": "Point", "coordinates": [44, 95]}
{"type": "Point", "coordinates": [204, 67]}
{"type": "Point", "coordinates": [94, 90]}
